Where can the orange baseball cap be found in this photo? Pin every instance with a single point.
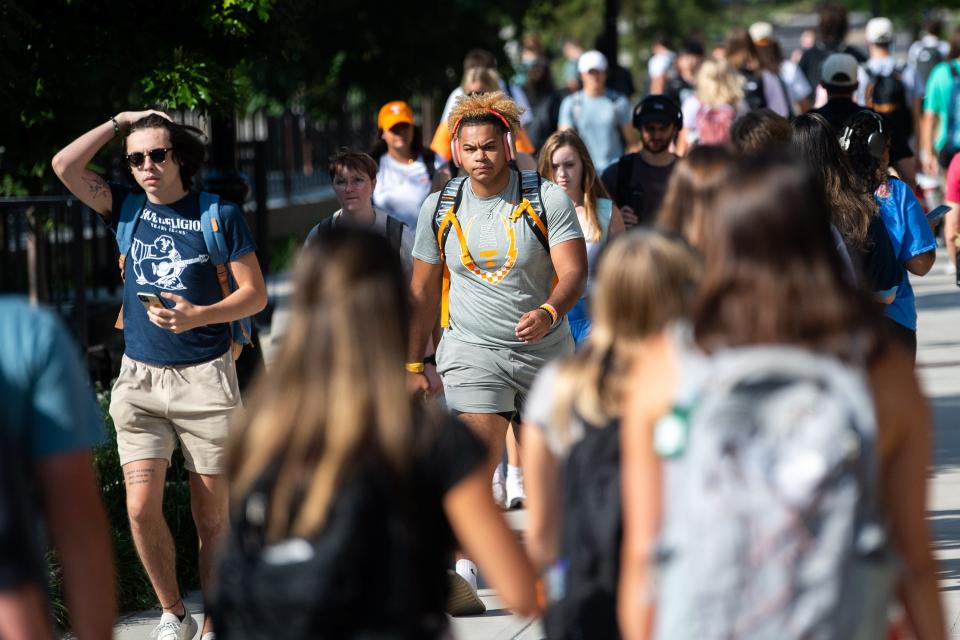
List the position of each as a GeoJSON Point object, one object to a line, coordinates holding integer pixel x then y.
{"type": "Point", "coordinates": [394, 113]}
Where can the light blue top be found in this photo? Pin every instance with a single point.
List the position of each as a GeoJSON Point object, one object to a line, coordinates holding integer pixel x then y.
{"type": "Point", "coordinates": [599, 121]}
{"type": "Point", "coordinates": [44, 388]}
{"type": "Point", "coordinates": [910, 236]}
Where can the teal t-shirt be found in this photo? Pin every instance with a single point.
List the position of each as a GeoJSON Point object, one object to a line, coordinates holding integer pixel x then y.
{"type": "Point", "coordinates": [44, 387]}
{"type": "Point", "coordinates": [937, 98]}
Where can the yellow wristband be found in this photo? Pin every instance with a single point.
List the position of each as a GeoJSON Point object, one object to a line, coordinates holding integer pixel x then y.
{"type": "Point", "coordinates": [414, 367]}
{"type": "Point", "coordinates": [553, 312]}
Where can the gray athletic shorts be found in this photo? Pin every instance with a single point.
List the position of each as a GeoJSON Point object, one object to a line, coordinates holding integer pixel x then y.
{"type": "Point", "coordinates": [490, 379]}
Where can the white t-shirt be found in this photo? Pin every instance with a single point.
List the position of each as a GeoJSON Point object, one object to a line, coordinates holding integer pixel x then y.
{"type": "Point", "coordinates": [795, 80]}
{"type": "Point", "coordinates": [402, 187]}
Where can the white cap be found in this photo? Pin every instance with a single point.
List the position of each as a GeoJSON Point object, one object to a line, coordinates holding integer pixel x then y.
{"type": "Point", "coordinates": [879, 31]}
{"type": "Point", "coordinates": [760, 31]}
{"type": "Point", "coordinates": [839, 70]}
{"type": "Point", "coordinates": [592, 60]}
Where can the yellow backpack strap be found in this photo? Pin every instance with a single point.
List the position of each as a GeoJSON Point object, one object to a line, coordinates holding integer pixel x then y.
{"type": "Point", "coordinates": [531, 207]}
{"type": "Point", "coordinates": [444, 216]}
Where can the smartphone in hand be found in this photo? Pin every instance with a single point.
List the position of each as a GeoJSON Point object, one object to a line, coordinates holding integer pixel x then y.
{"type": "Point", "coordinates": [148, 299]}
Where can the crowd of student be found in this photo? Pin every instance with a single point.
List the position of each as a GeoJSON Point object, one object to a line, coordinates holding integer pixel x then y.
{"type": "Point", "coordinates": [692, 320]}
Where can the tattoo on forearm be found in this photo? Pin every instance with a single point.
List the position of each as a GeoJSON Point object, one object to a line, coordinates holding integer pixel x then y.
{"type": "Point", "coordinates": [138, 476]}
{"type": "Point", "coordinates": [97, 186]}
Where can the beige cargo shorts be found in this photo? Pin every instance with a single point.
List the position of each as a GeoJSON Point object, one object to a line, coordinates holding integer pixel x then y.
{"type": "Point", "coordinates": [154, 406]}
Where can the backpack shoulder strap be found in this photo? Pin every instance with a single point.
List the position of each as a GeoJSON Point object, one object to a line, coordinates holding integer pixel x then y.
{"type": "Point", "coordinates": [395, 232]}
{"type": "Point", "coordinates": [530, 190]}
{"type": "Point", "coordinates": [576, 109]}
{"type": "Point", "coordinates": [449, 200]}
{"type": "Point", "coordinates": [624, 178]}
{"type": "Point", "coordinates": [212, 226]}
{"type": "Point", "coordinates": [604, 214]}
{"type": "Point", "coordinates": [129, 216]}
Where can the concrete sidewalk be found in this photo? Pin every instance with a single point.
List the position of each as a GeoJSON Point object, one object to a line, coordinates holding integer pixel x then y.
{"type": "Point", "coordinates": [938, 332]}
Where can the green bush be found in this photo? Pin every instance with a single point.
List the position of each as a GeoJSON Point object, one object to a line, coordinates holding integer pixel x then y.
{"type": "Point", "coordinates": [134, 592]}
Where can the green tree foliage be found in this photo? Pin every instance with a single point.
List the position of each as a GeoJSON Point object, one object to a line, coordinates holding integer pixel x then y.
{"type": "Point", "coordinates": [67, 64]}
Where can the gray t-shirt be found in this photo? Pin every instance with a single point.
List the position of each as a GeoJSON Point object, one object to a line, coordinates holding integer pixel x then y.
{"type": "Point", "coordinates": [485, 310]}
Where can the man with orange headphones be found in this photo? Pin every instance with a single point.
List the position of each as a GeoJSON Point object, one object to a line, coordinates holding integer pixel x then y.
{"type": "Point", "coordinates": [500, 254]}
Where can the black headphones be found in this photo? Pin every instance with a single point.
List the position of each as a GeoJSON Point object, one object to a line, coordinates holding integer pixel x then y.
{"type": "Point", "coordinates": [876, 140]}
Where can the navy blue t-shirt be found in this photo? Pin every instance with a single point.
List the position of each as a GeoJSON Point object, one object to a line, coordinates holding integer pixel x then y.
{"type": "Point", "coordinates": [169, 254]}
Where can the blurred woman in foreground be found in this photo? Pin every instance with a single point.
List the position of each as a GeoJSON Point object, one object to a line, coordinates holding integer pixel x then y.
{"type": "Point", "coordinates": [774, 297]}
{"type": "Point", "coordinates": [347, 496]}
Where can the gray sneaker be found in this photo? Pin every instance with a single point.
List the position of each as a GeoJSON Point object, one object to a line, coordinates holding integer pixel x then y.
{"type": "Point", "coordinates": [170, 627]}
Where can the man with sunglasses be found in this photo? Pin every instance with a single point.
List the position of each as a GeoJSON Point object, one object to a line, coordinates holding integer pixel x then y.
{"type": "Point", "coordinates": [177, 380]}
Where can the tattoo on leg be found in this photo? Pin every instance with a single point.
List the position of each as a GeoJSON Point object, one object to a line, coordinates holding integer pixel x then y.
{"type": "Point", "coordinates": [138, 476]}
{"type": "Point", "coordinates": [97, 186]}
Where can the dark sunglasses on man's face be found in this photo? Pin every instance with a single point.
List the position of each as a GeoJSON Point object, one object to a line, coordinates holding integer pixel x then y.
{"type": "Point", "coordinates": [157, 156]}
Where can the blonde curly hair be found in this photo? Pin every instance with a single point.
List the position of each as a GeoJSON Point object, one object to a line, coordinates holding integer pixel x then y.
{"type": "Point", "coordinates": [475, 109]}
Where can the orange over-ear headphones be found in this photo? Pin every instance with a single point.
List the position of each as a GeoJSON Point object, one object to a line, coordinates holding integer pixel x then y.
{"type": "Point", "coordinates": [507, 139]}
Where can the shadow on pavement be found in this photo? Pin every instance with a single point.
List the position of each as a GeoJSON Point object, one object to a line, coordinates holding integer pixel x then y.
{"type": "Point", "coordinates": [946, 450]}
{"type": "Point", "coordinates": [934, 301]}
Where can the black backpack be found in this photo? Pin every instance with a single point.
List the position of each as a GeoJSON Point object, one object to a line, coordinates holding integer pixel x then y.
{"type": "Point", "coordinates": [753, 93]}
{"type": "Point", "coordinates": [886, 94]}
{"type": "Point", "coordinates": [318, 588]}
{"type": "Point", "coordinates": [394, 230]}
{"type": "Point", "coordinates": [591, 533]}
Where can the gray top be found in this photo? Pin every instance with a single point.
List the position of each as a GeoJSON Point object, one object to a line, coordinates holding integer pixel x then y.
{"type": "Point", "coordinates": [538, 411]}
{"type": "Point", "coordinates": [485, 310]}
{"type": "Point", "coordinates": [379, 226]}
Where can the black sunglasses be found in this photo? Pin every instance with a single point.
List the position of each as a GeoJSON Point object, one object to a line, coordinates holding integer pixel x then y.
{"type": "Point", "coordinates": [157, 156]}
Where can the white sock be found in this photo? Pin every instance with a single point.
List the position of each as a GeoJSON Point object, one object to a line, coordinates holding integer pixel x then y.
{"type": "Point", "coordinates": [498, 474]}
{"type": "Point", "coordinates": [468, 570]}
{"type": "Point", "coordinates": [513, 472]}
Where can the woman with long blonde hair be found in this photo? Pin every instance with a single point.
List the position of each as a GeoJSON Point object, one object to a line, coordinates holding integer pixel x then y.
{"type": "Point", "coordinates": [643, 283]}
{"type": "Point", "coordinates": [564, 159]}
{"type": "Point", "coordinates": [710, 112]}
{"type": "Point", "coordinates": [344, 489]}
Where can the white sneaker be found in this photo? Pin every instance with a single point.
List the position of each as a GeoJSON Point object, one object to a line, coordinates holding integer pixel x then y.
{"type": "Point", "coordinates": [463, 599]}
{"type": "Point", "coordinates": [170, 627]}
{"type": "Point", "coordinates": [950, 269]}
{"type": "Point", "coordinates": [499, 488]}
{"type": "Point", "coordinates": [209, 635]}
{"type": "Point", "coordinates": [515, 493]}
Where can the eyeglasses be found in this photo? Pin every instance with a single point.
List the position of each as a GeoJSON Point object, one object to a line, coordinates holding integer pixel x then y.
{"type": "Point", "coordinates": [157, 156]}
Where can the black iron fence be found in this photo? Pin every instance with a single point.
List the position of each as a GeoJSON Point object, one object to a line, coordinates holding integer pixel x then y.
{"type": "Point", "coordinates": [58, 251]}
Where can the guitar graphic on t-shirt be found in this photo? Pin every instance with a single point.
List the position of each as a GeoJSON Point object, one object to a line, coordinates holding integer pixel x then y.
{"type": "Point", "coordinates": [160, 263]}
{"type": "Point", "coordinates": [162, 267]}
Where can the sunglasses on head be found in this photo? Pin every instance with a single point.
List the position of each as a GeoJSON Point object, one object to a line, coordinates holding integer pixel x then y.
{"type": "Point", "coordinates": [157, 156]}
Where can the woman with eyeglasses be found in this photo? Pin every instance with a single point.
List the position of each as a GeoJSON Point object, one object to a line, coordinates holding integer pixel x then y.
{"type": "Point", "coordinates": [407, 172]}
{"type": "Point", "coordinates": [354, 177]}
